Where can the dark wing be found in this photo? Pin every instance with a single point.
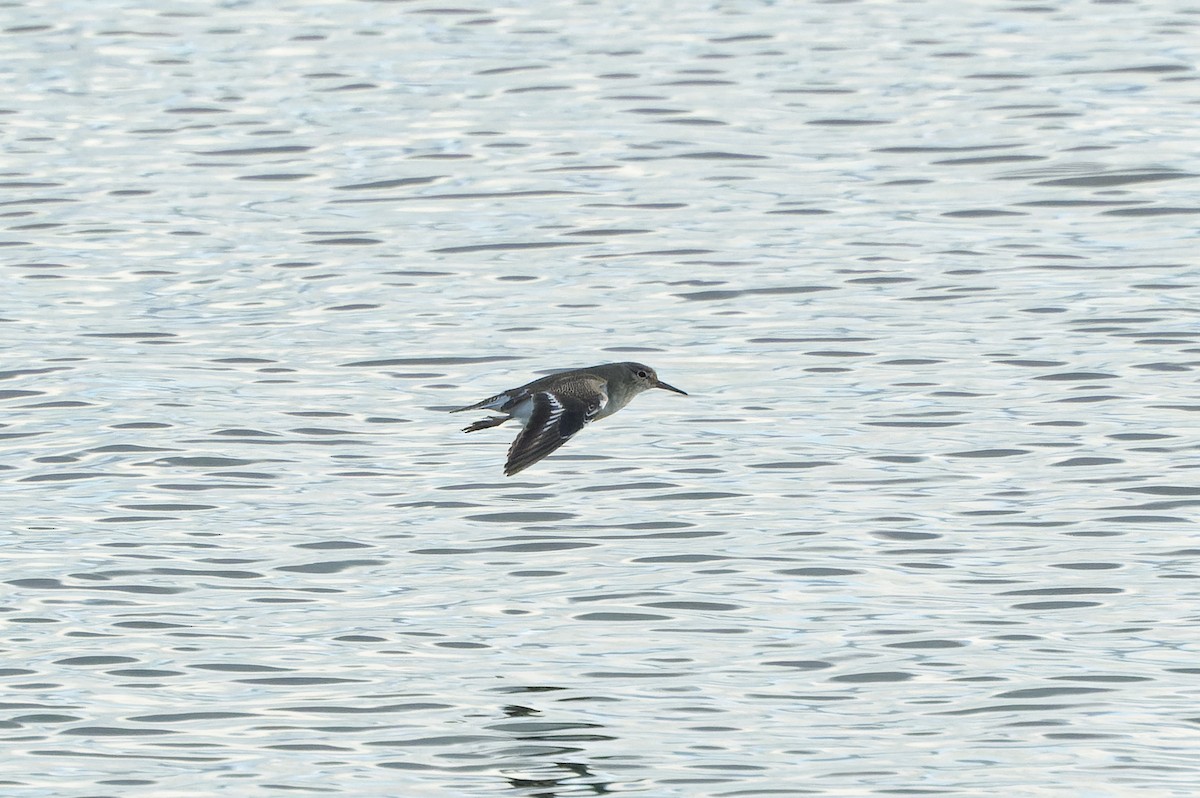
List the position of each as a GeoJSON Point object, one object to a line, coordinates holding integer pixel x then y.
{"type": "Point", "coordinates": [552, 422]}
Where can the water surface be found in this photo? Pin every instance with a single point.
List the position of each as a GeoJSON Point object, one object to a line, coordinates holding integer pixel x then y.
{"type": "Point", "coordinates": [925, 525]}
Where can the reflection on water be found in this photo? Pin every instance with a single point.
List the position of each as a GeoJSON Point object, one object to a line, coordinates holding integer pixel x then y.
{"type": "Point", "coordinates": [928, 510]}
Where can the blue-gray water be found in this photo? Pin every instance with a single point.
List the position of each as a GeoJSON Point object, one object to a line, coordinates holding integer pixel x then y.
{"type": "Point", "coordinates": [926, 524]}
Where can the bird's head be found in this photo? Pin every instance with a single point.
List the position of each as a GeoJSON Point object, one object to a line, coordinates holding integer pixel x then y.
{"type": "Point", "coordinates": [646, 378]}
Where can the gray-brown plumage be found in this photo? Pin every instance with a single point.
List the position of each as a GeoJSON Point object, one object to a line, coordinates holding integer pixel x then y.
{"type": "Point", "coordinates": [553, 408]}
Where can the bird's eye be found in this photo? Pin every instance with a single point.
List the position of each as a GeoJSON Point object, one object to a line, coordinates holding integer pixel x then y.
{"type": "Point", "coordinates": [643, 374]}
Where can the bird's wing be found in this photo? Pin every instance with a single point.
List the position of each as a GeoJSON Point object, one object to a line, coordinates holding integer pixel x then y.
{"type": "Point", "coordinates": [552, 422]}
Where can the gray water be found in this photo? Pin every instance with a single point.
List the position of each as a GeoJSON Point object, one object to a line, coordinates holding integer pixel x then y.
{"type": "Point", "coordinates": [924, 526]}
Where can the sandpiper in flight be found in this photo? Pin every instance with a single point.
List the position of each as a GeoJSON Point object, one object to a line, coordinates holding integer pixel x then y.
{"type": "Point", "coordinates": [553, 408]}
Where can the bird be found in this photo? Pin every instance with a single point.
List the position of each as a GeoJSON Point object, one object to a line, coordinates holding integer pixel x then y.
{"type": "Point", "coordinates": [553, 408]}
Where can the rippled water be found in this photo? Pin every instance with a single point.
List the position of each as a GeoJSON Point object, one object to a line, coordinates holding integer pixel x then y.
{"type": "Point", "coordinates": [925, 525]}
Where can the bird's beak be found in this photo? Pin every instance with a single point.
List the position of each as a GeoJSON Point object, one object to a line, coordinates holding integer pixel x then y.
{"type": "Point", "coordinates": [664, 386]}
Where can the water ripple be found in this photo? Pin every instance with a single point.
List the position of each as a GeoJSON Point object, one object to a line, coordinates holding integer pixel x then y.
{"type": "Point", "coordinates": [927, 507]}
